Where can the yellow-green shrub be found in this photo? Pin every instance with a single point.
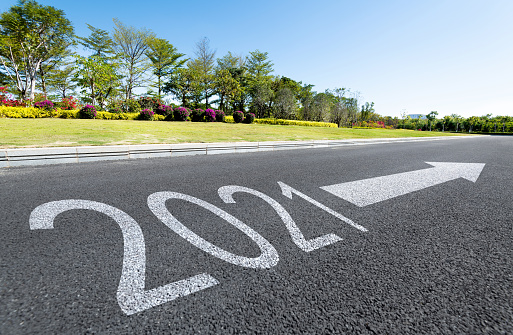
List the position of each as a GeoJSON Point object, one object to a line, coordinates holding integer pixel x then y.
{"type": "Point", "coordinates": [116, 116]}
{"type": "Point", "coordinates": [296, 123]}
{"type": "Point", "coordinates": [26, 112]}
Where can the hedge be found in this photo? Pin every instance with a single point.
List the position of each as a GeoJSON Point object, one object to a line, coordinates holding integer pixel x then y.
{"type": "Point", "coordinates": [296, 123]}
{"type": "Point", "coordinates": [32, 112]}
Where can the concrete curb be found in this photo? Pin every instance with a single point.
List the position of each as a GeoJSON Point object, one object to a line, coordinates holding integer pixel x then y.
{"type": "Point", "coordinates": [60, 155]}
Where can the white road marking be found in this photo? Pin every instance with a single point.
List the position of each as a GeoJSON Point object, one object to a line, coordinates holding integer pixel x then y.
{"type": "Point", "coordinates": [226, 194]}
{"type": "Point", "coordinates": [132, 298]}
{"type": "Point", "coordinates": [267, 259]}
{"type": "Point", "coordinates": [288, 191]}
{"type": "Point", "coordinates": [370, 191]}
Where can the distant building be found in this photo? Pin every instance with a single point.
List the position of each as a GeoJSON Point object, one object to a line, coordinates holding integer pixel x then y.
{"type": "Point", "coordinates": [416, 116]}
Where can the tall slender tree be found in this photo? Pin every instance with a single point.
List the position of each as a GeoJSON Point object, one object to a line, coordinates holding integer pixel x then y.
{"type": "Point", "coordinates": [203, 67]}
{"type": "Point", "coordinates": [131, 44]}
{"type": "Point", "coordinates": [165, 60]}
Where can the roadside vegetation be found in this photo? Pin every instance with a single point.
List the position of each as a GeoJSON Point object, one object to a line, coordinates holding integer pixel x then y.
{"type": "Point", "coordinates": [47, 132]}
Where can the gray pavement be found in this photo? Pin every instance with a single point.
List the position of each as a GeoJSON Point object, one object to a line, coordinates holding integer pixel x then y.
{"type": "Point", "coordinates": [251, 244]}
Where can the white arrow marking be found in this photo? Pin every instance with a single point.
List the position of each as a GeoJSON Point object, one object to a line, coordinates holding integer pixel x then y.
{"type": "Point", "coordinates": [370, 191]}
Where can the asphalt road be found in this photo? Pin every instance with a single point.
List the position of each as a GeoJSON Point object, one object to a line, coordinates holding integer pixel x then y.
{"type": "Point", "coordinates": [149, 246]}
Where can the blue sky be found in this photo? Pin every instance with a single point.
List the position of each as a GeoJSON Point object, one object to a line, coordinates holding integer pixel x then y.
{"type": "Point", "coordinates": [451, 56]}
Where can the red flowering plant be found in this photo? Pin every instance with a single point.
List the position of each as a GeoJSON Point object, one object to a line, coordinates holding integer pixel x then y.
{"type": "Point", "coordinates": [6, 99]}
{"type": "Point", "coordinates": [69, 103]}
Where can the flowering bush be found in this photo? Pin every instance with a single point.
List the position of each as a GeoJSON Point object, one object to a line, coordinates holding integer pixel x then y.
{"type": "Point", "coordinates": [146, 114]}
{"type": "Point", "coordinates": [6, 99]}
{"type": "Point", "coordinates": [148, 103]}
{"type": "Point", "coordinates": [197, 115]}
{"type": "Point", "coordinates": [219, 116]}
{"type": "Point", "coordinates": [181, 114]}
{"type": "Point", "coordinates": [250, 118]}
{"type": "Point", "coordinates": [238, 116]}
{"type": "Point", "coordinates": [45, 104]}
{"type": "Point", "coordinates": [210, 115]}
{"type": "Point", "coordinates": [69, 103]}
{"type": "Point", "coordinates": [87, 112]}
{"type": "Point", "coordinates": [164, 110]}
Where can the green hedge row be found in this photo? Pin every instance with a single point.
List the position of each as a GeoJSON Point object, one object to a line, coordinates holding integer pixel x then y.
{"type": "Point", "coordinates": [32, 112]}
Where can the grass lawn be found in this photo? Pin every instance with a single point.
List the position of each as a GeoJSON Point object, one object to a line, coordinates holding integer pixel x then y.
{"type": "Point", "coordinates": [52, 132]}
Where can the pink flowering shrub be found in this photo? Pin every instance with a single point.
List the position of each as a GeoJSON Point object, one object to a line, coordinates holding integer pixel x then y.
{"type": "Point", "coordinates": [181, 114]}
{"type": "Point", "coordinates": [210, 115]}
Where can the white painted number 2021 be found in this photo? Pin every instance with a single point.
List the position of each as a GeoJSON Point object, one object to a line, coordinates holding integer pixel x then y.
{"type": "Point", "coordinates": [131, 295]}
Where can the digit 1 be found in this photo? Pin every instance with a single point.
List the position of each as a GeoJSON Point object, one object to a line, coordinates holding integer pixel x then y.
{"type": "Point", "coordinates": [288, 191]}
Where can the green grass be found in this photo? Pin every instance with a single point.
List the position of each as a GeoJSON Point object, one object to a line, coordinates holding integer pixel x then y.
{"type": "Point", "coordinates": [51, 132]}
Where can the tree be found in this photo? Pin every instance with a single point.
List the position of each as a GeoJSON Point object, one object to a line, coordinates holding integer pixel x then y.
{"type": "Point", "coordinates": [259, 68]}
{"type": "Point", "coordinates": [30, 34]}
{"type": "Point", "coordinates": [99, 42]}
{"type": "Point", "coordinates": [322, 104]}
{"type": "Point", "coordinates": [338, 112]}
{"type": "Point", "coordinates": [367, 111]}
{"type": "Point", "coordinates": [182, 85]}
{"type": "Point", "coordinates": [446, 120]}
{"type": "Point", "coordinates": [431, 117]}
{"type": "Point", "coordinates": [285, 106]}
{"type": "Point", "coordinates": [131, 44]}
{"type": "Point", "coordinates": [236, 65]}
{"type": "Point", "coordinates": [97, 76]}
{"type": "Point", "coordinates": [226, 87]}
{"type": "Point", "coordinates": [61, 80]}
{"type": "Point", "coordinates": [456, 119]}
{"type": "Point", "coordinates": [306, 96]}
{"type": "Point", "coordinates": [260, 92]}
{"type": "Point", "coordinates": [164, 60]}
{"type": "Point", "coordinates": [203, 68]}
{"type": "Point", "coordinates": [259, 65]}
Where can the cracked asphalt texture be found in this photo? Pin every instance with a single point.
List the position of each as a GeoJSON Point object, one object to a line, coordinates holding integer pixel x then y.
{"type": "Point", "coordinates": [439, 260]}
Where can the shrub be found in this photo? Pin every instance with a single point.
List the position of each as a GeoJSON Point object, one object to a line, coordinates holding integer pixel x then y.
{"type": "Point", "coordinates": [296, 123]}
{"type": "Point", "coordinates": [164, 110]}
{"type": "Point", "coordinates": [87, 112]}
{"type": "Point", "coordinates": [197, 115]}
{"type": "Point", "coordinates": [115, 107]}
{"type": "Point", "coordinates": [238, 116]}
{"type": "Point", "coordinates": [181, 114]}
{"type": "Point", "coordinates": [69, 103]}
{"type": "Point", "coordinates": [210, 115]}
{"type": "Point", "coordinates": [148, 103]}
{"type": "Point", "coordinates": [220, 116]}
{"type": "Point", "coordinates": [250, 118]}
{"type": "Point", "coordinates": [45, 104]}
{"type": "Point", "coordinates": [146, 114]}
